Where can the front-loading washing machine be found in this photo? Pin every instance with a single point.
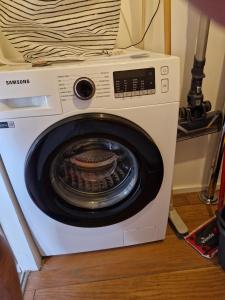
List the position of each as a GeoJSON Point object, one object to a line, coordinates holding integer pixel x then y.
{"type": "Point", "coordinates": [89, 149]}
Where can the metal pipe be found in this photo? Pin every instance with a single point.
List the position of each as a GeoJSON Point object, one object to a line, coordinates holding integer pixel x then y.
{"type": "Point", "coordinates": [202, 39]}
{"type": "Point", "coordinates": [208, 195]}
{"type": "Point", "coordinates": [167, 27]}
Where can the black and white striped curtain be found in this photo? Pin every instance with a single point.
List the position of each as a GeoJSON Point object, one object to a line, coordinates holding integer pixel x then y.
{"type": "Point", "coordinates": [52, 30]}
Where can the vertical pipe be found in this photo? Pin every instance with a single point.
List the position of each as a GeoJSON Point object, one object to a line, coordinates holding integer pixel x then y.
{"type": "Point", "coordinates": [167, 26]}
{"type": "Point", "coordinates": [208, 196]}
{"type": "Point", "coordinates": [202, 40]}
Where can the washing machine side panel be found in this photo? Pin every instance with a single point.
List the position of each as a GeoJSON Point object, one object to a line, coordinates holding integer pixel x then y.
{"type": "Point", "coordinates": [159, 121]}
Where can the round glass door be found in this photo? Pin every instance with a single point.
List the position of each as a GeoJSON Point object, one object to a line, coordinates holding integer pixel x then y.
{"type": "Point", "coordinates": [93, 170]}
{"type": "Point", "coordinates": [94, 173]}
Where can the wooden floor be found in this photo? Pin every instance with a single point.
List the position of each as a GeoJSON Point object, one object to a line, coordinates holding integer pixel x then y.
{"type": "Point", "coordinates": [160, 270]}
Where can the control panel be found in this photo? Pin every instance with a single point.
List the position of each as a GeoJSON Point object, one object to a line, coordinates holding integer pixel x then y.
{"type": "Point", "coordinates": [106, 85]}
{"type": "Point", "coordinates": [132, 83]}
{"type": "Point", "coordinates": [113, 83]}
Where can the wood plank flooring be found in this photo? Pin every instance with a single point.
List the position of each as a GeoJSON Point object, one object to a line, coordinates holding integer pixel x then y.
{"type": "Point", "coordinates": [168, 269]}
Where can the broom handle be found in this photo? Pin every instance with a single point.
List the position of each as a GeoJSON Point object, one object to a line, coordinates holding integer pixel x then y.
{"type": "Point", "coordinates": [167, 27]}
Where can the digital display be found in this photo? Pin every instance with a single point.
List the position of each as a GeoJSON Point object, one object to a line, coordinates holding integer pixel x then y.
{"type": "Point", "coordinates": [132, 83]}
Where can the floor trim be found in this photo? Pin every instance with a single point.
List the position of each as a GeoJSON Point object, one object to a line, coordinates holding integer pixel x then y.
{"type": "Point", "coordinates": [23, 276]}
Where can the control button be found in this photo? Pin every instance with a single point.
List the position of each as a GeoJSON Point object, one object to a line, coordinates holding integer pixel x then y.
{"type": "Point", "coordinates": [150, 92]}
{"type": "Point", "coordinates": [119, 95]}
{"type": "Point", "coordinates": [127, 94]}
{"type": "Point", "coordinates": [84, 88]}
{"type": "Point", "coordinates": [165, 85]}
{"type": "Point", "coordinates": [136, 93]}
{"type": "Point", "coordinates": [164, 70]}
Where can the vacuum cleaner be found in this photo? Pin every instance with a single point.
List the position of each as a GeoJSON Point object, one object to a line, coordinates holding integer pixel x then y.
{"type": "Point", "coordinates": [197, 118]}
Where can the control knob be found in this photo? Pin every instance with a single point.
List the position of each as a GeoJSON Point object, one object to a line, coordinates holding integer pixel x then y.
{"type": "Point", "coordinates": [84, 88]}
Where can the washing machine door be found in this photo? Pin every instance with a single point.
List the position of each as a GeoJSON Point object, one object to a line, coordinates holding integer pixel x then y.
{"type": "Point", "coordinates": [93, 170]}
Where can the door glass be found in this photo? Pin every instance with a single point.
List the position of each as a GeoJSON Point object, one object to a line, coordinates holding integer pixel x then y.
{"type": "Point", "coordinates": [94, 173]}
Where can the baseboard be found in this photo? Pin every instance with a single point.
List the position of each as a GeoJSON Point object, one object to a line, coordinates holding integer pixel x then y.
{"type": "Point", "coordinates": [189, 189]}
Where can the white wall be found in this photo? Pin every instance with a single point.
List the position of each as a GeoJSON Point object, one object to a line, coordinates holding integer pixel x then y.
{"type": "Point", "coordinates": [132, 13]}
{"type": "Point", "coordinates": [193, 157]}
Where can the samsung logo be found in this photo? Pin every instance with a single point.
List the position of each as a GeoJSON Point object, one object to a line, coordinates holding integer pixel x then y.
{"type": "Point", "coordinates": [18, 81]}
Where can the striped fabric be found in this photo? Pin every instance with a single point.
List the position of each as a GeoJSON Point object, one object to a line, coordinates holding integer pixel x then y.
{"type": "Point", "coordinates": [52, 30]}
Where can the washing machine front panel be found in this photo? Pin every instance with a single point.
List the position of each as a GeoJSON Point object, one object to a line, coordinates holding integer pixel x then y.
{"type": "Point", "coordinates": [54, 237]}
{"type": "Point", "coordinates": [93, 170]}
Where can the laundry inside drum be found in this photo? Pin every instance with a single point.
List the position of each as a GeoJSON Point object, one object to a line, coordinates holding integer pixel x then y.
{"type": "Point", "coordinates": [94, 173]}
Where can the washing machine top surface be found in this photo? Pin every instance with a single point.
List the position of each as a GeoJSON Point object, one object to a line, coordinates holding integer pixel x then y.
{"type": "Point", "coordinates": [117, 56]}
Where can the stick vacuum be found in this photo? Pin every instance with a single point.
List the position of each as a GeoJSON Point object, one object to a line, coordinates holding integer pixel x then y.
{"type": "Point", "coordinates": [197, 119]}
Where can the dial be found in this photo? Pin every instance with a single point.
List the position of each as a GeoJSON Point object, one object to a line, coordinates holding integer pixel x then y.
{"type": "Point", "coordinates": [84, 88]}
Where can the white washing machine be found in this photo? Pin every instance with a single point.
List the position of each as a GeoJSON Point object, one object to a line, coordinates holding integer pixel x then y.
{"type": "Point", "coordinates": [89, 149]}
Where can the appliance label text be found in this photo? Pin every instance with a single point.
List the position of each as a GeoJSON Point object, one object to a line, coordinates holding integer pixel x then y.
{"type": "Point", "coordinates": [9, 124]}
{"type": "Point", "coordinates": [17, 81]}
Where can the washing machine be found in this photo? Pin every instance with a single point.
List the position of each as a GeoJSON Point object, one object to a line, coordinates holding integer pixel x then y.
{"type": "Point", "coordinates": [89, 149]}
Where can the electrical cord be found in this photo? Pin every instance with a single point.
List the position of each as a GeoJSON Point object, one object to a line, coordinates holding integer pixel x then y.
{"type": "Point", "coordinates": [147, 29]}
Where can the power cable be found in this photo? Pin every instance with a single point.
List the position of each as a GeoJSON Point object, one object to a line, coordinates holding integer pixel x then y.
{"type": "Point", "coordinates": [147, 29]}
